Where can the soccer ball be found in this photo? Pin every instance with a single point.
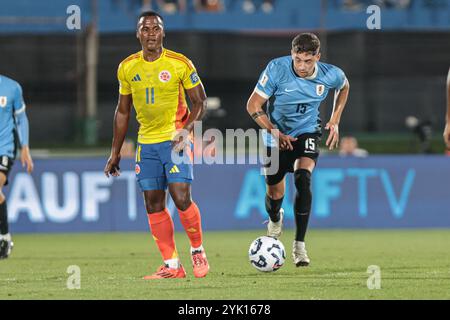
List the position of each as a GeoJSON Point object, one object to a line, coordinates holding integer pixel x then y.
{"type": "Point", "coordinates": [266, 254]}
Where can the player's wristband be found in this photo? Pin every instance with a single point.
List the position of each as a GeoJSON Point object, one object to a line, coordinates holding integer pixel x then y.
{"type": "Point", "coordinates": [257, 114]}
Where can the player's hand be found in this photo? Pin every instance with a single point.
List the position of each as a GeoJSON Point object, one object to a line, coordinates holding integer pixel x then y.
{"type": "Point", "coordinates": [284, 141]}
{"type": "Point", "coordinates": [26, 159]}
{"type": "Point", "coordinates": [112, 166]}
{"type": "Point", "coordinates": [333, 137]}
{"type": "Point", "coordinates": [447, 135]}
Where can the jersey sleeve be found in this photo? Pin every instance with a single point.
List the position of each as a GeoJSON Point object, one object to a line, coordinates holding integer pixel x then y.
{"type": "Point", "coordinates": [189, 76]}
{"type": "Point", "coordinates": [266, 85]}
{"type": "Point", "coordinates": [339, 78]}
{"type": "Point", "coordinates": [124, 85]}
{"type": "Point", "coordinates": [20, 116]}
{"type": "Point", "coordinates": [18, 103]}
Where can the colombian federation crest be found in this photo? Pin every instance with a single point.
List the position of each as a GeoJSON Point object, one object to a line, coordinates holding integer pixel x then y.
{"type": "Point", "coordinates": [164, 76]}
{"type": "Point", "coordinates": [320, 89]}
{"type": "Point", "coordinates": [3, 101]}
{"type": "Point", "coordinates": [137, 169]}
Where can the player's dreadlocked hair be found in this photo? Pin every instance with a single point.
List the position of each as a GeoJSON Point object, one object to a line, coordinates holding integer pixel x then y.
{"type": "Point", "coordinates": [306, 43]}
{"type": "Point", "coordinates": [149, 14]}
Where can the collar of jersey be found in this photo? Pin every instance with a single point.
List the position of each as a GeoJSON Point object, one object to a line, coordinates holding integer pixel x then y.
{"type": "Point", "coordinates": [163, 53]}
{"type": "Point", "coordinates": [311, 77]}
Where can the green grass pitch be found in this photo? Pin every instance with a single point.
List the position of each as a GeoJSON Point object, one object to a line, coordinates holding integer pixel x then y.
{"type": "Point", "coordinates": [414, 264]}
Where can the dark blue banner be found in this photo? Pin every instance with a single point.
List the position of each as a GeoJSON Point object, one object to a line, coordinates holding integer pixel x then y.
{"type": "Point", "coordinates": [64, 195]}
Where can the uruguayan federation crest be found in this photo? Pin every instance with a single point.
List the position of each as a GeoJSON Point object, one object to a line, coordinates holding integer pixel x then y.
{"type": "Point", "coordinates": [320, 89]}
{"type": "Point", "coordinates": [3, 101]}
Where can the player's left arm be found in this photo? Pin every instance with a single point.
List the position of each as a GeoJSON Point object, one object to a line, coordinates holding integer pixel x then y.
{"type": "Point", "coordinates": [22, 125]}
{"type": "Point", "coordinates": [196, 92]}
{"type": "Point", "coordinates": [447, 118]}
{"type": "Point", "coordinates": [340, 99]}
{"type": "Point", "coordinates": [197, 95]}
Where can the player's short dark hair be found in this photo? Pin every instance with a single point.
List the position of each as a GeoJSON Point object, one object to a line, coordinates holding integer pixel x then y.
{"type": "Point", "coordinates": [149, 14]}
{"type": "Point", "coordinates": [306, 43]}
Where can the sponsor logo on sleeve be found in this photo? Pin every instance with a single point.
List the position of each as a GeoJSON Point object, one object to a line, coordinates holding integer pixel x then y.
{"type": "Point", "coordinates": [264, 80]}
{"type": "Point", "coordinates": [194, 77]}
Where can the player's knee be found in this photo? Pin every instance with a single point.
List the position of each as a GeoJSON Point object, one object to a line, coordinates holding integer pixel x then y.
{"type": "Point", "coordinates": [275, 194]}
{"type": "Point", "coordinates": [302, 179]}
{"type": "Point", "coordinates": [182, 201]}
{"type": "Point", "coordinates": [276, 191]}
{"type": "Point", "coordinates": [303, 197]}
{"type": "Point", "coordinates": [2, 196]}
{"type": "Point", "coordinates": [155, 207]}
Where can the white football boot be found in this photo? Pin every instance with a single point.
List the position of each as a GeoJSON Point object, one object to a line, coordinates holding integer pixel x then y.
{"type": "Point", "coordinates": [6, 246]}
{"type": "Point", "coordinates": [299, 254]}
{"type": "Point", "coordinates": [274, 228]}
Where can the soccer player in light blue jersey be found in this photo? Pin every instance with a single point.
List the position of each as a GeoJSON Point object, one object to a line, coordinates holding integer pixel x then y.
{"type": "Point", "coordinates": [447, 117]}
{"type": "Point", "coordinates": [13, 134]}
{"type": "Point", "coordinates": [297, 83]}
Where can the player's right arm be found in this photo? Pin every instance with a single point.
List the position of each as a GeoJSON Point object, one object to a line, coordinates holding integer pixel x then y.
{"type": "Point", "coordinates": [255, 108]}
{"type": "Point", "coordinates": [264, 89]}
{"type": "Point", "coordinates": [21, 121]}
{"type": "Point", "coordinates": [121, 117]}
{"type": "Point", "coordinates": [447, 118]}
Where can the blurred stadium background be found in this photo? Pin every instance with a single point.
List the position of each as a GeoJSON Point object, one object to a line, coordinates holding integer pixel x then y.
{"type": "Point", "coordinates": [395, 110]}
{"type": "Point", "coordinates": [395, 72]}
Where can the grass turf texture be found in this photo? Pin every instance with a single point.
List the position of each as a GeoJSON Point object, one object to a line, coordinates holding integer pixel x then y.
{"type": "Point", "coordinates": [415, 264]}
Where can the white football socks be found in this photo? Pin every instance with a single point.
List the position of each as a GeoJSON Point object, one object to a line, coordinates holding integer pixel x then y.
{"type": "Point", "coordinates": [173, 263]}
{"type": "Point", "coordinates": [197, 249]}
{"type": "Point", "coordinates": [6, 237]}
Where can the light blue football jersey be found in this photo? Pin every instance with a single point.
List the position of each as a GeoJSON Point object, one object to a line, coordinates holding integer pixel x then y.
{"type": "Point", "coordinates": [11, 106]}
{"type": "Point", "coordinates": [295, 107]}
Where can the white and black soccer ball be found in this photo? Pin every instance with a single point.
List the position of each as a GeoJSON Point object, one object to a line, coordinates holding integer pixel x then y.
{"type": "Point", "coordinates": [267, 254]}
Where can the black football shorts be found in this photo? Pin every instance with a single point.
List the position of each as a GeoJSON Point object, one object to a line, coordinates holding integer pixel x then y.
{"type": "Point", "coordinates": [306, 145]}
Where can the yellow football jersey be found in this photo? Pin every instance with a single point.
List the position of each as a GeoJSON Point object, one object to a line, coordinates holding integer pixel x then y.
{"type": "Point", "coordinates": [157, 89]}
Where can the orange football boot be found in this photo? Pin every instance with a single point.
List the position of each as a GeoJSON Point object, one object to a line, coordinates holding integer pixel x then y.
{"type": "Point", "coordinates": [200, 264]}
{"type": "Point", "coordinates": [164, 272]}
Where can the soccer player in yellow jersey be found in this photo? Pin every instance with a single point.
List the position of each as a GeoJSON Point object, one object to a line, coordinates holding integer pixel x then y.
{"type": "Point", "coordinates": [154, 80]}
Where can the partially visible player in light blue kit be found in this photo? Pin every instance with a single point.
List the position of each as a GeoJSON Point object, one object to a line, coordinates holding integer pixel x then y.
{"type": "Point", "coordinates": [447, 118]}
{"type": "Point", "coordinates": [13, 134]}
{"type": "Point", "coordinates": [297, 84]}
